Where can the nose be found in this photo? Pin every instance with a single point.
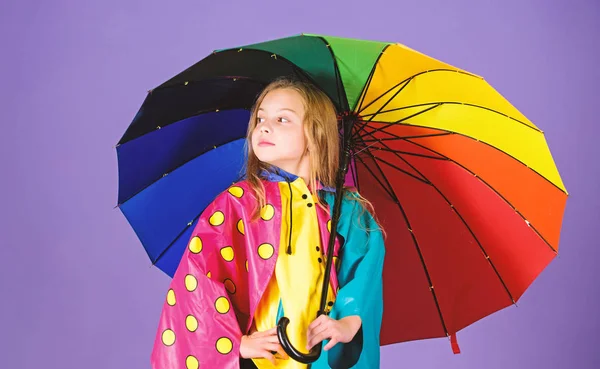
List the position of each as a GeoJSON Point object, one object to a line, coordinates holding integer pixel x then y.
{"type": "Point", "coordinates": [265, 127]}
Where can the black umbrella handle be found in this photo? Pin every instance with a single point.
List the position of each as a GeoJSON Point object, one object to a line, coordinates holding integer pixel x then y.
{"type": "Point", "coordinates": [289, 349]}
{"type": "Point", "coordinates": [315, 352]}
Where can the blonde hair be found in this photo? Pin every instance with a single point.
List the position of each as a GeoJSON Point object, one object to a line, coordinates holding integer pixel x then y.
{"type": "Point", "coordinates": [322, 137]}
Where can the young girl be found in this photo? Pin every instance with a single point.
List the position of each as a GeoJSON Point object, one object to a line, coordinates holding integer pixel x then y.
{"type": "Point", "coordinates": [258, 253]}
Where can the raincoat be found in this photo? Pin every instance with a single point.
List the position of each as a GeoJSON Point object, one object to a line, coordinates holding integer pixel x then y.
{"type": "Point", "coordinates": [237, 276]}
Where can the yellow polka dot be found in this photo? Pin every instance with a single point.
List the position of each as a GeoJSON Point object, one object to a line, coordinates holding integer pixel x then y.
{"type": "Point", "coordinates": [209, 274]}
{"type": "Point", "coordinates": [222, 305]}
{"type": "Point", "coordinates": [267, 212]}
{"type": "Point", "coordinates": [191, 323]}
{"type": "Point", "coordinates": [171, 297]}
{"type": "Point", "coordinates": [191, 362]}
{"type": "Point", "coordinates": [236, 191]}
{"type": "Point", "coordinates": [230, 286]}
{"type": "Point", "coordinates": [265, 251]}
{"type": "Point", "coordinates": [217, 218]}
{"type": "Point", "coordinates": [190, 282]}
{"type": "Point", "coordinates": [227, 253]}
{"type": "Point", "coordinates": [246, 265]}
{"type": "Point", "coordinates": [329, 225]}
{"type": "Point", "coordinates": [195, 245]}
{"type": "Point", "coordinates": [224, 345]}
{"type": "Point", "coordinates": [240, 226]}
{"type": "Point", "coordinates": [168, 337]}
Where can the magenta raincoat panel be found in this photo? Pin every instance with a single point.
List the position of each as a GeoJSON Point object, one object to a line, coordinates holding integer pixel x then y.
{"type": "Point", "coordinates": [220, 280]}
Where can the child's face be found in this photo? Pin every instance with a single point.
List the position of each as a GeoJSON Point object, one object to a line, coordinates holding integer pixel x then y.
{"type": "Point", "coordinates": [278, 137]}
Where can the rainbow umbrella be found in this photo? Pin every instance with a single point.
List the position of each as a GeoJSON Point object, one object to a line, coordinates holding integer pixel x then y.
{"type": "Point", "coordinates": [463, 183]}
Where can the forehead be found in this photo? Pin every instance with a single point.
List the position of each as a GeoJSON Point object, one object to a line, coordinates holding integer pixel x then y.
{"type": "Point", "coordinates": [283, 99]}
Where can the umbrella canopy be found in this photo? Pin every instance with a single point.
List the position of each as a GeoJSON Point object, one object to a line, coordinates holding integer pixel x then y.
{"type": "Point", "coordinates": [464, 185]}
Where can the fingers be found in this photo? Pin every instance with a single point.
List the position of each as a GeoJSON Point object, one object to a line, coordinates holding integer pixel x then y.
{"type": "Point", "coordinates": [311, 338]}
{"type": "Point", "coordinates": [282, 353]}
{"type": "Point", "coordinates": [320, 329]}
{"type": "Point", "coordinates": [330, 344]}
{"type": "Point", "coordinates": [269, 332]}
{"type": "Point", "coordinates": [267, 355]}
{"type": "Point", "coordinates": [317, 322]}
{"type": "Point", "coordinates": [315, 339]}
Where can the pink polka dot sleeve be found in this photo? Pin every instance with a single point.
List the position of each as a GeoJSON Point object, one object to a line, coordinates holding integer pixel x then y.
{"type": "Point", "coordinates": [199, 325]}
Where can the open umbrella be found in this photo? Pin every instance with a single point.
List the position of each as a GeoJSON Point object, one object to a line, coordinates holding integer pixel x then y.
{"type": "Point", "coordinates": [463, 183]}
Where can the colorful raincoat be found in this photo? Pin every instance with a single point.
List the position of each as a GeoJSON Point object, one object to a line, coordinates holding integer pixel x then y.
{"type": "Point", "coordinates": [237, 276]}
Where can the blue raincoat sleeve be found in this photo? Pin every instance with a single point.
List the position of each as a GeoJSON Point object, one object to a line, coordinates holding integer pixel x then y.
{"type": "Point", "coordinates": [361, 287]}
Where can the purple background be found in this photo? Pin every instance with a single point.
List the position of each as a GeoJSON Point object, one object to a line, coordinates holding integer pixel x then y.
{"type": "Point", "coordinates": [77, 290]}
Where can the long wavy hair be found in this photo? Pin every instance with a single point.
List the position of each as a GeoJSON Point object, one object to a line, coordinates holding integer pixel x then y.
{"type": "Point", "coordinates": [322, 137]}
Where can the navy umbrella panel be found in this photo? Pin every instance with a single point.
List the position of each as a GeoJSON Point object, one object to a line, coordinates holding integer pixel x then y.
{"type": "Point", "coordinates": [168, 176]}
{"type": "Point", "coordinates": [167, 168]}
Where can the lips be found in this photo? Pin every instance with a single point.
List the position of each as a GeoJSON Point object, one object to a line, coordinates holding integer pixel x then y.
{"type": "Point", "coordinates": [265, 143]}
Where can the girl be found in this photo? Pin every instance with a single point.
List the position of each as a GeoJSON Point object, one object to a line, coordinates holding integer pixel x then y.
{"type": "Point", "coordinates": [258, 253]}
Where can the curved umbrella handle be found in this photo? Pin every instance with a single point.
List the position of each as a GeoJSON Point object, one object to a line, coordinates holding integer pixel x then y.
{"type": "Point", "coordinates": [301, 357]}
{"type": "Point", "coordinates": [347, 122]}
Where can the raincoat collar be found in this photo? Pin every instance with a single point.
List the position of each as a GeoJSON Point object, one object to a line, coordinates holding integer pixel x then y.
{"type": "Point", "coordinates": [276, 174]}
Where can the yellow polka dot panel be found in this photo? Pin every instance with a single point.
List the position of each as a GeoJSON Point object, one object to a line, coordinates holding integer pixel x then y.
{"type": "Point", "coordinates": [191, 362]}
{"type": "Point", "coordinates": [209, 274]}
{"type": "Point", "coordinates": [227, 253]}
{"type": "Point", "coordinates": [267, 212]}
{"type": "Point", "coordinates": [240, 226]}
{"type": "Point", "coordinates": [224, 345]}
{"type": "Point", "coordinates": [171, 300]}
{"type": "Point", "coordinates": [168, 337]}
{"type": "Point", "coordinates": [246, 265]}
{"type": "Point", "coordinates": [191, 323]}
{"type": "Point", "coordinates": [229, 286]}
{"type": "Point", "coordinates": [236, 191]}
{"type": "Point", "coordinates": [265, 251]}
{"type": "Point", "coordinates": [222, 305]}
{"type": "Point", "coordinates": [195, 245]}
{"type": "Point", "coordinates": [191, 283]}
{"type": "Point", "coordinates": [217, 218]}
{"type": "Point", "coordinates": [329, 225]}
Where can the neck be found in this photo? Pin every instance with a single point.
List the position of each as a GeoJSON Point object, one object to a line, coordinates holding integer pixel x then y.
{"type": "Point", "coordinates": [300, 168]}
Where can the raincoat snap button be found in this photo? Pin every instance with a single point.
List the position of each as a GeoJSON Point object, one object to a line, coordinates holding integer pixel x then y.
{"type": "Point", "coordinates": [309, 205]}
{"type": "Point", "coordinates": [305, 196]}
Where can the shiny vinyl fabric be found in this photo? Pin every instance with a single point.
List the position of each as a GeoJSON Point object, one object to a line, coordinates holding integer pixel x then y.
{"type": "Point", "coordinates": [463, 183]}
{"type": "Point", "coordinates": [228, 264]}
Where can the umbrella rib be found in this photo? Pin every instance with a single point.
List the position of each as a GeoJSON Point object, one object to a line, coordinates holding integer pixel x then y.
{"type": "Point", "coordinates": [408, 153]}
{"type": "Point", "coordinates": [405, 216]}
{"type": "Point", "coordinates": [164, 251]}
{"type": "Point", "coordinates": [471, 138]}
{"type": "Point", "coordinates": [296, 68]}
{"type": "Point", "coordinates": [464, 223]}
{"type": "Point", "coordinates": [493, 189]}
{"type": "Point", "coordinates": [363, 92]}
{"type": "Point", "coordinates": [445, 103]}
{"type": "Point", "coordinates": [383, 106]}
{"type": "Point", "coordinates": [339, 83]}
{"type": "Point", "coordinates": [175, 168]}
{"type": "Point", "coordinates": [444, 157]}
{"type": "Point", "coordinates": [413, 76]}
{"type": "Point", "coordinates": [396, 137]}
{"type": "Point", "coordinates": [396, 122]}
{"type": "Point", "coordinates": [402, 170]}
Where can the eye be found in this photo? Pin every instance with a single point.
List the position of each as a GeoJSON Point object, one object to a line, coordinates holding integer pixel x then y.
{"type": "Point", "coordinates": [283, 120]}
{"type": "Point", "coordinates": [258, 120]}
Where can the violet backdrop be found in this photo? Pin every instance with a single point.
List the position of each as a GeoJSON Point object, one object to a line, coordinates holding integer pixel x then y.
{"type": "Point", "coordinates": [77, 289]}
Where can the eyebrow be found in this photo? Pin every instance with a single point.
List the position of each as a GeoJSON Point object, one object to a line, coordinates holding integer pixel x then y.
{"type": "Point", "coordinates": [259, 109]}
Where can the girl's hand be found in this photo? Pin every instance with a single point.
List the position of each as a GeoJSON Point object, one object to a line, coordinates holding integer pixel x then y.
{"type": "Point", "coordinates": [324, 327]}
{"type": "Point", "coordinates": [261, 345]}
